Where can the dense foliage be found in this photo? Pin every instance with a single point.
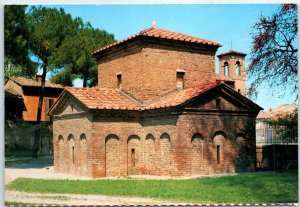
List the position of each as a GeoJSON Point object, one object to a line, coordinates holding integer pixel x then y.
{"type": "Point", "coordinates": [75, 57]}
{"type": "Point", "coordinates": [274, 53]}
{"type": "Point", "coordinates": [16, 43]}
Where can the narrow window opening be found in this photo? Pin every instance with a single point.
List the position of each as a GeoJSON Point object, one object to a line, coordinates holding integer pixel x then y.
{"type": "Point", "coordinates": [226, 69]}
{"type": "Point", "coordinates": [73, 155]}
{"type": "Point", "coordinates": [180, 79]}
{"type": "Point", "coordinates": [119, 80]}
{"type": "Point", "coordinates": [72, 107]}
{"type": "Point", "coordinates": [51, 102]}
{"type": "Point", "coordinates": [133, 157]}
{"type": "Point", "coordinates": [218, 154]}
{"type": "Point", "coordinates": [237, 69]}
{"type": "Point", "coordinates": [218, 103]}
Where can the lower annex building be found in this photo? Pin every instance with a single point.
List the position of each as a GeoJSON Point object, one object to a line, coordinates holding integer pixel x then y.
{"type": "Point", "coordinates": [158, 109]}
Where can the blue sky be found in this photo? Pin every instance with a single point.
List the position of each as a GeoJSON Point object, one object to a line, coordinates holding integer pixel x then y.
{"type": "Point", "coordinates": [226, 24]}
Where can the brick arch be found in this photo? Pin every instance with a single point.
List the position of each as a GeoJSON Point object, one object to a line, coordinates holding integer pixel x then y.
{"type": "Point", "coordinates": [220, 132]}
{"type": "Point", "coordinates": [165, 150]}
{"type": "Point", "coordinates": [60, 137]}
{"type": "Point", "coordinates": [71, 152]}
{"type": "Point", "coordinates": [134, 154]}
{"type": "Point", "coordinates": [149, 153]}
{"type": "Point", "coordinates": [70, 136]}
{"type": "Point", "coordinates": [133, 137]}
{"type": "Point", "coordinates": [197, 136]}
{"type": "Point", "coordinates": [240, 135]}
{"type": "Point", "coordinates": [219, 151]}
{"type": "Point", "coordinates": [112, 155]}
{"type": "Point", "coordinates": [82, 153]}
{"type": "Point", "coordinates": [60, 153]}
{"type": "Point", "coordinates": [197, 154]}
{"type": "Point", "coordinates": [165, 136]}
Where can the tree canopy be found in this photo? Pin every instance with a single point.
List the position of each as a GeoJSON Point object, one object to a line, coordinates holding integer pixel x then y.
{"type": "Point", "coordinates": [274, 53]}
{"type": "Point", "coordinates": [16, 43]}
{"type": "Point", "coordinates": [75, 57]}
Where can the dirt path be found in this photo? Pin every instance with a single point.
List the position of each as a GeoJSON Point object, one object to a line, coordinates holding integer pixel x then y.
{"type": "Point", "coordinates": [76, 199]}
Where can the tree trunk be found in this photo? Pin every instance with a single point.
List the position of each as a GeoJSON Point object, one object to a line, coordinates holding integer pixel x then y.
{"type": "Point", "coordinates": [37, 138]}
{"type": "Point", "coordinates": [85, 78]}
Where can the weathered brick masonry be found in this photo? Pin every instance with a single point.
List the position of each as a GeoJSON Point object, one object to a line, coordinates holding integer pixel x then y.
{"type": "Point", "coordinates": [158, 110]}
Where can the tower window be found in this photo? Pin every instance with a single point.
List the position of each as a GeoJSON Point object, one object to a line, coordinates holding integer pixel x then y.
{"type": "Point", "coordinates": [180, 79]}
{"type": "Point", "coordinates": [237, 68]}
{"type": "Point", "coordinates": [119, 80]}
{"type": "Point", "coordinates": [226, 69]}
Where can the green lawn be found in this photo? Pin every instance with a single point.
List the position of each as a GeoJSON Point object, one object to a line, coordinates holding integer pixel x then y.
{"type": "Point", "coordinates": [246, 188]}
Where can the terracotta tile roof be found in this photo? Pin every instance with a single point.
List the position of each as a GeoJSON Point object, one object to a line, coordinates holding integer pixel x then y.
{"type": "Point", "coordinates": [162, 34]}
{"type": "Point", "coordinates": [180, 97]}
{"type": "Point", "coordinates": [102, 98]}
{"type": "Point", "coordinates": [33, 83]}
{"type": "Point", "coordinates": [233, 52]}
{"type": "Point", "coordinates": [281, 110]}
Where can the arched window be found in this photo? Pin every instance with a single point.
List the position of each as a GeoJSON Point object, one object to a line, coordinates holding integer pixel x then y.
{"type": "Point", "coordinates": [197, 136]}
{"type": "Point", "coordinates": [237, 68]}
{"type": "Point", "coordinates": [83, 153]}
{"type": "Point", "coordinates": [150, 153]}
{"type": "Point", "coordinates": [219, 140]}
{"type": "Point", "coordinates": [60, 138]}
{"type": "Point", "coordinates": [60, 152]}
{"type": "Point", "coordinates": [165, 149]}
{"type": "Point", "coordinates": [70, 137]}
{"type": "Point", "coordinates": [112, 155]}
{"type": "Point", "coordinates": [71, 148]}
{"type": "Point", "coordinates": [82, 137]}
{"type": "Point", "coordinates": [165, 136]}
{"type": "Point", "coordinates": [226, 69]}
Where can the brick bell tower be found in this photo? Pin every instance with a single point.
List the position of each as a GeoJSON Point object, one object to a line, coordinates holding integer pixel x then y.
{"type": "Point", "coordinates": [232, 70]}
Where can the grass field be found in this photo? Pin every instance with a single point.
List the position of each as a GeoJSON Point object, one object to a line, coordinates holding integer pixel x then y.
{"type": "Point", "coordinates": [246, 188]}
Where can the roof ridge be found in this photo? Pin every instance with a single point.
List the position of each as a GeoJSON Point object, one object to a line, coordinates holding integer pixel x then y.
{"type": "Point", "coordinates": [130, 96]}
{"type": "Point", "coordinates": [160, 97]}
{"type": "Point", "coordinates": [167, 34]}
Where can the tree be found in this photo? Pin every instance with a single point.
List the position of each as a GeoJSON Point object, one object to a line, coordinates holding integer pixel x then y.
{"type": "Point", "coordinates": [16, 43]}
{"type": "Point", "coordinates": [274, 53]}
{"type": "Point", "coordinates": [74, 55]}
{"type": "Point", "coordinates": [286, 127]}
{"type": "Point", "coordinates": [48, 28]}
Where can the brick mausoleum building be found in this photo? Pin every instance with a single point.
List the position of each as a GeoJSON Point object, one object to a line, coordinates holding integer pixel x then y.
{"type": "Point", "coordinates": [158, 109]}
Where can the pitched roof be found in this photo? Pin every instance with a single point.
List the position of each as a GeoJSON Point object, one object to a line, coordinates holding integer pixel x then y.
{"type": "Point", "coordinates": [180, 97]}
{"type": "Point", "coordinates": [33, 83]}
{"type": "Point", "coordinates": [162, 34]}
{"type": "Point", "coordinates": [103, 98]}
{"type": "Point", "coordinates": [232, 52]}
{"type": "Point", "coordinates": [279, 111]}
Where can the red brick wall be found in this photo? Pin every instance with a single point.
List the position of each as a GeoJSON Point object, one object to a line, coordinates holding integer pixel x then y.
{"type": "Point", "coordinates": [150, 72]}
{"type": "Point", "coordinates": [184, 145]}
{"type": "Point", "coordinates": [74, 133]}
